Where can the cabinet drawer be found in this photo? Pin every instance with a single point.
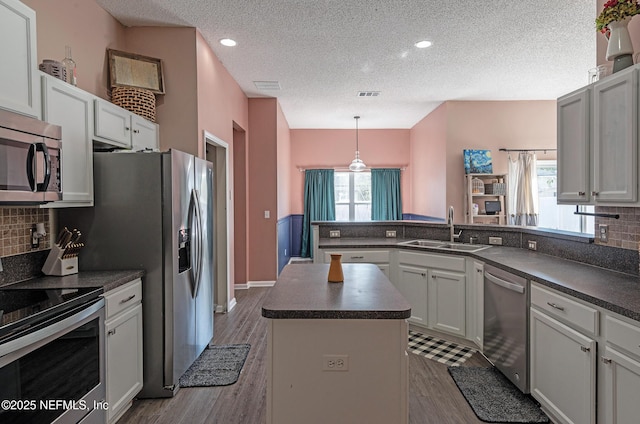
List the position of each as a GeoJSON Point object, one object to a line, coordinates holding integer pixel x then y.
{"type": "Point", "coordinates": [448, 262]}
{"type": "Point", "coordinates": [576, 314]}
{"type": "Point", "coordinates": [623, 335]}
{"type": "Point", "coordinates": [123, 297]}
{"type": "Point", "coordinates": [356, 256]}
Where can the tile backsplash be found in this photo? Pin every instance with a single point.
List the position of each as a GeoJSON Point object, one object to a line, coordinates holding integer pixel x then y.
{"type": "Point", "coordinates": [15, 229]}
{"type": "Point", "coordinates": [623, 232]}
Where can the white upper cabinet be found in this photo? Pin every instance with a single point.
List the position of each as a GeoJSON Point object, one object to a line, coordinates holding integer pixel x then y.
{"type": "Point", "coordinates": [72, 109]}
{"type": "Point", "coordinates": [615, 139]}
{"type": "Point", "coordinates": [574, 185]}
{"type": "Point", "coordinates": [598, 142]}
{"type": "Point", "coordinates": [117, 127]}
{"type": "Point", "coordinates": [19, 80]}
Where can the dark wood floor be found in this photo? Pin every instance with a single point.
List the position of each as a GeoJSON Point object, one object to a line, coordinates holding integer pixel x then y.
{"type": "Point", "coordinates": [433, 396]}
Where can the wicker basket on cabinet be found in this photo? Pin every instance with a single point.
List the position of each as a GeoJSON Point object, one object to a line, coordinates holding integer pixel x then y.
{"type": "Point", "coordinates": [137, 100]}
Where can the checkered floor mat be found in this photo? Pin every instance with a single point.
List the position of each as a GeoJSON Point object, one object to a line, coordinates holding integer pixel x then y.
{"type": "Point", "coordinates": [439, 350]}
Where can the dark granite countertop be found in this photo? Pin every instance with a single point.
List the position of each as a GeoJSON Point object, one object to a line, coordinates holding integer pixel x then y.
{"type": "Point", "coordinates": [108, 280]}
{"type": "Point", "coordinates": [302, 292]}
{"type": "Point", "coordinates": [615, 291]}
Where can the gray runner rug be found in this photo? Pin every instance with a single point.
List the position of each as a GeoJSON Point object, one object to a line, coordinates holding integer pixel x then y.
{"type": "Point", "coordinates": [216, 366]}
{"type": "Point", "coordinates": [494, 398]}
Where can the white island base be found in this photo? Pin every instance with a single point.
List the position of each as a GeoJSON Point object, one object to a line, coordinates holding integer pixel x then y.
{"type": "Point", "coordinates": [373, 389]}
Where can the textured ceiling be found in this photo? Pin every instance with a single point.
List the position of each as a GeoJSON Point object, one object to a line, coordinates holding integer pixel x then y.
{"type": "Point", "coordinates": [322, 52]}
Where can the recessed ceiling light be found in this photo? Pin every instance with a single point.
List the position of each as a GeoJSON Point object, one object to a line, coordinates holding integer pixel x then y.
{"type": "Point", "coordinates": [423, 44]}
{"type": "Point", "coordinates": [228, 42]}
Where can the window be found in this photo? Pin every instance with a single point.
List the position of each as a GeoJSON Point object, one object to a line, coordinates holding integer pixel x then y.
{"type": "Point", "coordinates": [552, 215]}
{"type": "Point", "coordinates": [353, 196]}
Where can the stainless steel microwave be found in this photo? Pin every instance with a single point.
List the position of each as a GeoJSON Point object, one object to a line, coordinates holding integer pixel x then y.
{"type": "Point", "coordinates": [30, 164]}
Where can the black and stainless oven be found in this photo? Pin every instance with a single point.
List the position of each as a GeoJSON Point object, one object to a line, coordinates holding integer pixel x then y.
{"type": "Point", "coordinates": [52, 356]}
{"type": "Point", "coordinates": [30, 166]}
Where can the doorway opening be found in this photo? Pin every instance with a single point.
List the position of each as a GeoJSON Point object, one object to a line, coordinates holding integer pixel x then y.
{"type": "Point", "coordinates": [217, 152]}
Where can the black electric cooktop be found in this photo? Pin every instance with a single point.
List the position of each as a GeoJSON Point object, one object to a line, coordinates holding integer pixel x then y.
{"type": "Point", "coordinates": [22, 310]}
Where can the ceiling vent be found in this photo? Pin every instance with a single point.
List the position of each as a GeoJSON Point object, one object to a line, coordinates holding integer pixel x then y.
{"type": "Point", "coordinates": [267, 85]}
{"type": "Point", "coordinates": [368, 93]}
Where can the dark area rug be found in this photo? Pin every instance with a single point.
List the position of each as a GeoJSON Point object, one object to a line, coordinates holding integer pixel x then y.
{"type": "Point", "coordinates": [494, 398]}
{"type": "Point", "coordinates": [216, 366]}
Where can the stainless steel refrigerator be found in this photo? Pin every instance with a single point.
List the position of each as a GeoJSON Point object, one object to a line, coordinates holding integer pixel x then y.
{"type": "Point", "coordinates": [154, 211]}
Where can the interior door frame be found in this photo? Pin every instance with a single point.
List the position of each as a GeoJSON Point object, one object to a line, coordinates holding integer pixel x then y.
{"type": "Point", "coordinates": [224, 294]}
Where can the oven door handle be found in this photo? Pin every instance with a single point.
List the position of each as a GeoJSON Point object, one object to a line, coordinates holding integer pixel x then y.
{"type": "Point", "coordinates": [502, 283]}
{"type": "Point", "coordinates": [44, 335]}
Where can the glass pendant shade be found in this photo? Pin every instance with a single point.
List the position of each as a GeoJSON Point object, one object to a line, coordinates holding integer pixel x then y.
{"type": "Point", "coordinates": [357, 165]}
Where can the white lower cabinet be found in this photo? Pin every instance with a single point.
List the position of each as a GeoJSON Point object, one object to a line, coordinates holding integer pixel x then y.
{"type": "Point", "coordinates": [123, 347]}
{"type": "Point", "coordinates": [622, 387]}
{"type": "Point", "coordinates": [563, 370]}
{"type": "Point", "coordinates": [412, 283]}
{"type": "Point", "coordinates": [446, 301]}
{"type": "Point", "coordinates": [476, 304]}
{"type": "Point", "coordinates": [363, 256]}
{"type": "Point", "coordinates": [436, 287]}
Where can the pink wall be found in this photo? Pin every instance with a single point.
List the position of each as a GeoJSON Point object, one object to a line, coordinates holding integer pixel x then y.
{"type": "Point", "coordinates": [428, 169]}
{"type": "Point", "coordinates": [283, 161]}
{"type": "Point", "coordinates": [492, 125]}
{"type": "Point", "coordinates": [314, 148]}
{"type": "Point", "coordinates": [262, 190]}
{"type": "Point", "coordinates": [84, 26]}
{"type": "Point", "coordinates": [437, 142]}
{"type": "Point", "coordinates": [177, 110]}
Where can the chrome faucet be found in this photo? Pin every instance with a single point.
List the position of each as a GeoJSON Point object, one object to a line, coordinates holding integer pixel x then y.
{"type": "Point", "coordinates": [452, 235]}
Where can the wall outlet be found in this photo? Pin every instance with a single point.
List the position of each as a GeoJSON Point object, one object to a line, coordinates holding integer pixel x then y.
{"type": "Point", "coordinates": [335, 362]}
{"type": "Point", "coordinates": [495, 240]}
{"type": "Point", "coordinates": [532, 245]}
{"type": "Point", "coordinates": [604, 233]}
{"type": "Point", "coordinates": [334, 233]}
{"type": "Point", "coordinates": [391, 233]}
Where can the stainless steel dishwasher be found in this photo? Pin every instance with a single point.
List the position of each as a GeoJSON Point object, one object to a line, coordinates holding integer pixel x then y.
{"type": "Point", "coordinates": [506, 324]}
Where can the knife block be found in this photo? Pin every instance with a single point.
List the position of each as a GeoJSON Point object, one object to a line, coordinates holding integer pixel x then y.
{"type": "Point", "coordinates": [55, 265]}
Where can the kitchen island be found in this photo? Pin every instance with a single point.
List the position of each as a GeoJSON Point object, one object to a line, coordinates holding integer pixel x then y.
{"type": "Point", "coordinates": [336, 351]}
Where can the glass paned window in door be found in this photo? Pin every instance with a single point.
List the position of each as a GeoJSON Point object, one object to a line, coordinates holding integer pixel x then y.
{"type": "Point", "coordinates": [353, 196]}
{"type": "Point", "coordinates": [552, 215]}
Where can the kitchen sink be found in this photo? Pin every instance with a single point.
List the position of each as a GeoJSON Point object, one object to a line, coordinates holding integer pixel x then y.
{"type": "Point", "coordinates": [444, 245]}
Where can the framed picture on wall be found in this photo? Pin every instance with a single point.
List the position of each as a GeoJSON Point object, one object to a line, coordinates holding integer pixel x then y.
{"type": "Point", "coordinates": [134, 70]}
{"type": "Point", "coordinates": [477, 161]}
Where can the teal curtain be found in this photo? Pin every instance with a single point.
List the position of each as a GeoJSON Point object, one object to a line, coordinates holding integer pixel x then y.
{"type": "Point", "coordinates": [386, 199]}
{"type": "Point", "coordinates": [319, 204]}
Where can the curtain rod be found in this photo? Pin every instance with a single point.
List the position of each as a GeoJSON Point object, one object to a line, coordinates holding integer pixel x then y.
{"type": "Point", "coordinates": [341, 169]}
{"type": "Point", "coordinates": [527, 150]}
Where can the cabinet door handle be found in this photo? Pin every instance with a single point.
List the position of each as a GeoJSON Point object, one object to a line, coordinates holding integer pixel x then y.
{"type": "Point", "coordinates": [136, 131]}
{"type": "Point", "coordinates": [478, 270]}
{"type": "Point", "coordinates": [581, 193]}
{"type": "Point", "coordinates": [424, 274]}
{"type": "Point", "coordinates": [128, 298]}
{"type": "Point", "coordinates": [553, 305]}
{"type": "Point", "coordinates": [606, 360]}
{"type": "Point", "coordinates": [585, 349]}
{"type": "Point", "coordinates": [111, 332]}
{"type": "Point", "coordinates": [127, 128]}
{"type": "Point", "coordinates": [594, 193]}
{"type": "Point", "coordinates": [357, 257]}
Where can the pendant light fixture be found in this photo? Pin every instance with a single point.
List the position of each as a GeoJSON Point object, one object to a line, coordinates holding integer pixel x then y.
{"type": "Point", "coordinates": [357, 165]}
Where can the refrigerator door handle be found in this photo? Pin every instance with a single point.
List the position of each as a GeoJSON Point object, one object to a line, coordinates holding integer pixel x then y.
{"type": "Point", "coordinates": [196, 226]}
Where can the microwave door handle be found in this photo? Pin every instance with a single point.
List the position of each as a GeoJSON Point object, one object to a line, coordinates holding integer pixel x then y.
{"type": "Point", "coordinates": [47, 166]}
{"type": "Point", "coordinates": [31, 167]}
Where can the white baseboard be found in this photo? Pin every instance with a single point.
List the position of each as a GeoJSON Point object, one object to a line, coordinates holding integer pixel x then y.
{"type": "Point", "coordinates": [232, 304]}
{"type": "Point", "coordinates": [250, 284]}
